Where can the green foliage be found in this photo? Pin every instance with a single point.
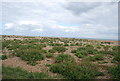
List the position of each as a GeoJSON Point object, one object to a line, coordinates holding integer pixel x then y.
{"type": "Point", "coordinates": [18, 73]}
{"type": "Point", "coordinates": [43, 51]}
{"type": "Point", "coordinates": [117, 57]}
{"type": "Point", "coordinates": [48, 65]}
{"type": "Point", "coordinates": [66, 44]}
{"type": "Point", "coordinates": [49, 55]}
{"type": "Point", "coordinates": [81, 53]}
{"type": "Point", "coordinates": [3, 57]}
{"type": "Point", "coordinates": [33, 63]}
{"type": "Point", "coordinates": [115, 72]}
{"type": "Point", "coordinates": [82, 71]}
{"type": "Point", "coordinates": [73, 51]}
{"type": "Point", "coordinates": [60, 49]}
{"type": "Point", "coordinates": [29, 55]}
{"type": "Point", "coordinates": [100, 74]}
{"type": "Point", "coordinates": [96, 57]}
{"type": "Point", "coordinates": [64, 58]}
{"type": "Point", "coordinates": [52, 51]}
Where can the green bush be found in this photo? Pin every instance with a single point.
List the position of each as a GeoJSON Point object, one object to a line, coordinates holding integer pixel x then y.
{"type": "Point", "coordinates": [18, 73]}
{"type": "Point", "coordinates": [43, 51]}
{"type": "Point", "coordinates": [3, 57]}
{"type": "Point", "coordinates": [48, 65]}
{"type": "Point", "coordinates": [100, 74]}
{"type": "Point", "coordinates": [117, 57]}
{"type": "Point", "coordinates": [52, 51]}
{"type": "Point", "coordinates": [29, 55]}
{"type": "Point", "coordinates": [66, 44]}
{"type": "Point", "coordinates": [60, 49]}
{"type": "Point", "coordinates": [96, 57]}
{"type": "Point", "coordinates": [82, 71]}
{"type": "Point", "coordinates": [49, 55]}
{"type": "Point", "coordinates": [64, 58]}
{"type": "Point", "coordinates": [115, 72]}
{"type": "Point", "coordinates": [73, 51]}
{"type": "Point", "coordinates": [81, 53]}
{"type": "Point", "coordinates": [33, 63]}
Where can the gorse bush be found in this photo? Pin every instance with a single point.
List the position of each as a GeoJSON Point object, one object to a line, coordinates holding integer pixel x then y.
{"type": "Point", "coordinates": [115, 72]}
{"type": "Point", "coordinates": [3, 57]}
{"type": "Point", "coordinates": [60, 49]}
{"type": "Point", "coordinates": [18, 73]}
{"type": "Point", "coordinates": [81, 53]}
{"type": "Point", "coordinates": [52, 51]}
{"type": "Point", "coordinates": [82, 71]}
{"type": "Point", "coordinates": [64, 58]}
{"type": "Point", "coordinates": [29, 55]}
{"type": "Point", "coordinates": [96, 57]}
{"type": "Point", "coordinates": [49, 55]}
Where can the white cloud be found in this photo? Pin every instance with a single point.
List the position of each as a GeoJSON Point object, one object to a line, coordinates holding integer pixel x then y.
{"type": "Point", "coordinates": [9, 25]}
{"type": "Point", "coordinates": [38, 30]}
{"type": "Point", "coordinates": [92, 19]}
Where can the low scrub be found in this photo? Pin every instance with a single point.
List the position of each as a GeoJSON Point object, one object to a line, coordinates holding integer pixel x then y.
{"type": "Point", "coordinates": [49, 55]}
{"type": "Point", "coordinates": [64, 58]}
{"type": "Point", "coordinates": [82, 71]}
{"type": "Point", "coordinates": [115, 72]}
{"type": "Point", "coordinates": [29, 55]}
{"type": "Point", "coordinates": [3, 57]}
{"type": "Point", "coordinates": [96, 57]}
{"type": "Point", "coordinates": [60, 49]}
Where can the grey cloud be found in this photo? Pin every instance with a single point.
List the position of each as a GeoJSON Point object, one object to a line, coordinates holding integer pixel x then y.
{"type": "Point", "coordinates": [80, 7]}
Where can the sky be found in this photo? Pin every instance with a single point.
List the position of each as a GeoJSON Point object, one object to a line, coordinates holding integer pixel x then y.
{"type": "Point", "coordinates": [60, 18]}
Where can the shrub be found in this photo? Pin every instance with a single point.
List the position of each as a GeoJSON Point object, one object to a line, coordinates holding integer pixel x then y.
{"type": "Point", "coordinates": [82, 71]}
{"type": "Point", "coordinates": [81, 53]}
{"type": "Point", "coordinates": [18, 73]}
{"type": "Point", "coordinates": [49, 55]}
{"type": "Point", "coordinates": [3, 57]}
{"type": "Point", "coordinates": [43, 51]}
{"type": "Point", "coordinates": [33, 63]}
{"type": "Point", "coordinates": [100, 74]}
{"type": "Point", "coordinates": [52, 51]}
{"type": "Point", "coordinates": [116, 57]}
{"type": "Point", "coordinates": [29, 55]}
{"type": "Point", "coordinates": [64, 58]}
{"type": "Point", "coordinates": [96, 57]}
{"type": "Point", "coordinates": [48, 65]}
{"type": "Point", "coordinates": [115, 71]}
{"type": "Point", "coordinates": [66, 44]}
{"type": "Point", "coordinates": [73, 51]}
{"type": "Point", "coordinates": [60, 49]}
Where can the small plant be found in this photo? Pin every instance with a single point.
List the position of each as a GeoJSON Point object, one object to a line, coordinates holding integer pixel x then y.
{"type": "Point", "coordinates": [96, 57]}
{"type": "Point", "coordinates": [33, 63]}
{"type": "Point", "coordinates": [115, 71]}
{"type": "Point", "coordinates": [64, 58]}
{"type": "Point", "coordinates": [60, 49]}
{"type": "Point", "coordinates": [100, 74]}
{"type": "Point", "coordinates": [48, 65]}
{"type": "Point", "coordinates": [49, 55]}
{"type": "Point", "coordinates": [82, 71]}
{"type": "Point", "coordinates": [73, 51]}
{"type": "Point", "coordinates": [81, 53]}
{"type": "Point", "coordinates": [3, 57]}
{"type": "Point", "coordinates": [52, 51]}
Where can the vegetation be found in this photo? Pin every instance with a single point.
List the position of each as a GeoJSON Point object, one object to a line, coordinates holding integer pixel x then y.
{"type": "Point", "coordinates": [115, 72]}
{"type": "Point", "coordinates": [49, 55]}
{"type": "Point", "coordinates": [3, 57]}
{"type": "Point", "coordinates": [60, 49]}
{"type": "Point", "coordinates": [64, 58]}
{"type": "Point", "coordinates": [69, 57]}
{"type": "Point", "coordinates": [82, 71]}
{"type": "Point", "coordinates": [18, 73]}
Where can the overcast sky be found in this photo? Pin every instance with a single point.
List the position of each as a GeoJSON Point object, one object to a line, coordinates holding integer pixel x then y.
{"type": "Point", "coordinates": [61, 19]}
